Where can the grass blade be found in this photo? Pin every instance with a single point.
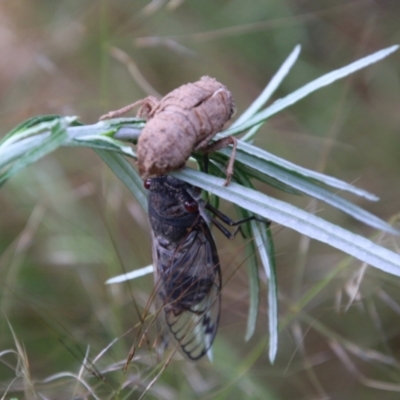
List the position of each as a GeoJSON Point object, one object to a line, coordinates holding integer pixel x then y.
{"type": "Point", "coordinates": [298, 220]}
{"type": "Point", "coordinates": [309, 187]}
{"type": "Point", "coordinates": [45, 146]}
{"type": "Point", "coordinates": [126, 173]}
{"type": "Point", "coordinates": [270, 88]}
{"type": "Point", "coordinates": [309, 88]}
{"type": "Point", "coordinates": [256, 152]}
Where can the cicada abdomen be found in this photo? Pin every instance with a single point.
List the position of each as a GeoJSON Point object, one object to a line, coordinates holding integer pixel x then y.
{"type": "Point", "coordinates": [186, 265]}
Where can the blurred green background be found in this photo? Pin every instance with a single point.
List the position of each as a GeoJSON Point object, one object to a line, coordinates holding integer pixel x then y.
{"type": "Point", "coordinates": [67, 224]}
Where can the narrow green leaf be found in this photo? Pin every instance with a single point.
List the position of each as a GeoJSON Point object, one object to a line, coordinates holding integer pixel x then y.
{"type": "Point", "coordinates": [105, 143]}
{"type": "Point", "coordinates": [254, 151]}
{"type": "Point", "coordinates": [298, 220]}
{"type": "Point", "coordinates": [48, 144]}
{"type": "Point", "coordinates": [311, 87]}
{"type": "Point", "coordinates": [126, 173]}
{"type": "Point", "coordinates": [273, 314]}
{"type": "Point", "coordinates": [41, 122]}
{"type": "Point", "coordinates": [127, 129]}
{"type": "Point", "coordinates": [265, 248]}
{"type": "Point", "coordinates": [309, 187]}
{"type": "Point", "coordinates": [248, 137]}
{"type": "Point", "coordinates": [253, 275]}
{"type": "Point", "coordinates": [136, 273]}
{"type": "Point", "coordinates": [269, 90]}
{"type": "Point", "coordinates": [222, 161]}
{"type": "Point", "coordinates": [254, 288]}
{"type": "Point", "coordinates": [8, 154]}
{"type": "Point", "coordinates": [267, 255]}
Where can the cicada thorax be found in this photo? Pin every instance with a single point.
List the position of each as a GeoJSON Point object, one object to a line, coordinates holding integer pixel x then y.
{"type": "Point", "coordinates": [169, 203]}
{"type": "Point", "coordinates": [186, 264]}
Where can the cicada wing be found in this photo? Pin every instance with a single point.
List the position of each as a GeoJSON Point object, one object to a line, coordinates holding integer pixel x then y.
{"type": "Point", "coordinates": [193, 307]}
{"type": "Point", "coordinates": [195, 329]}
{"type": "Point", "coordinates": [162, 327]}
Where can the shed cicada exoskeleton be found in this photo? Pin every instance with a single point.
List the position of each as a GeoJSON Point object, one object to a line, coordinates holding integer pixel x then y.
{"type": "Point", "coordinates": [183, 121]}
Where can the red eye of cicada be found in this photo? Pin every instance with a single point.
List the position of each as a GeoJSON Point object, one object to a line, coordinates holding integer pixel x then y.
{"type": "Point", "coordinates": [191, 206]}
{"type": "Point", "coordinates": [147, 184]}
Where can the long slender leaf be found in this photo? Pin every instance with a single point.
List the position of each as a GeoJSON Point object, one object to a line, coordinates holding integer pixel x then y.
{"type": "Point", "coordinates": [254, 151]}
{"type": "Point", "coordinates": [47, 145]}
{"type": "Point", "coordinates": [137, 273]}
{"type": "Point", "coordinates": [298, 220]}
{"type": "Point", "coordinates": [272, 294]}
{"type": "Point", "coordinates": [311, 87]}
{"type": "Point", "coordinates": [31, 126]}
{"type": "Point", "coordinates": [18, 149]}
{"type": "Point", "coordinates": [253, 275]}
{"type": "Point", "coordinates": [222, 161]}
{"type": "Point", "coordinates": [307, 186]}
{"type": "Point", "coordinates": [270, 88]}
{"type": "Point", "coordinates": [126, 173]}
{"type": "Point", "coordinates": [254, 289]}
{"type": "Point", "coordinates": [39, 129]}
{"type": "Point", "coordinates": [265, 249]}
{"type": "Point", "coordinates": [106, 143]}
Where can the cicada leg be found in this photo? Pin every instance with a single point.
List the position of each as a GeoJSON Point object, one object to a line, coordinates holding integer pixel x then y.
{"type": "Point", "coordinates": [219, 144]}
{"type": "Point", "coordinates": [227, 220]}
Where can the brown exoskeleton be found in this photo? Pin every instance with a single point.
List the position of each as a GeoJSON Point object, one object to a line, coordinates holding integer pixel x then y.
{"type": "Point", "coordinates": [183, 121]}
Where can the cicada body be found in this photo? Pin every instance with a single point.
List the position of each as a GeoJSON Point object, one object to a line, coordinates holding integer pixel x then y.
{"type": "Point", "coordinates": [186, 265]}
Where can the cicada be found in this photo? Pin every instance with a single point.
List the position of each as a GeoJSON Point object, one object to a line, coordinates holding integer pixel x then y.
{"type": "Point", "coordinates": [186, 265]}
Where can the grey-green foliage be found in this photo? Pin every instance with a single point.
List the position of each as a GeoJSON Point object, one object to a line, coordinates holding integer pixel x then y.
{"type": "Point", "coordinates": [39, 136]}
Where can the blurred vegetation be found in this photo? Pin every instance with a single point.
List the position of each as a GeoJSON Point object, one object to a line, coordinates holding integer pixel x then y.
{"type": "Point", "coordinates": [68, 225]}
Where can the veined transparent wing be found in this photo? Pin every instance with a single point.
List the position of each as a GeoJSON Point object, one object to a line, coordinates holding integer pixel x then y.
{"type": "Point", "coordinates": [188, 282]}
